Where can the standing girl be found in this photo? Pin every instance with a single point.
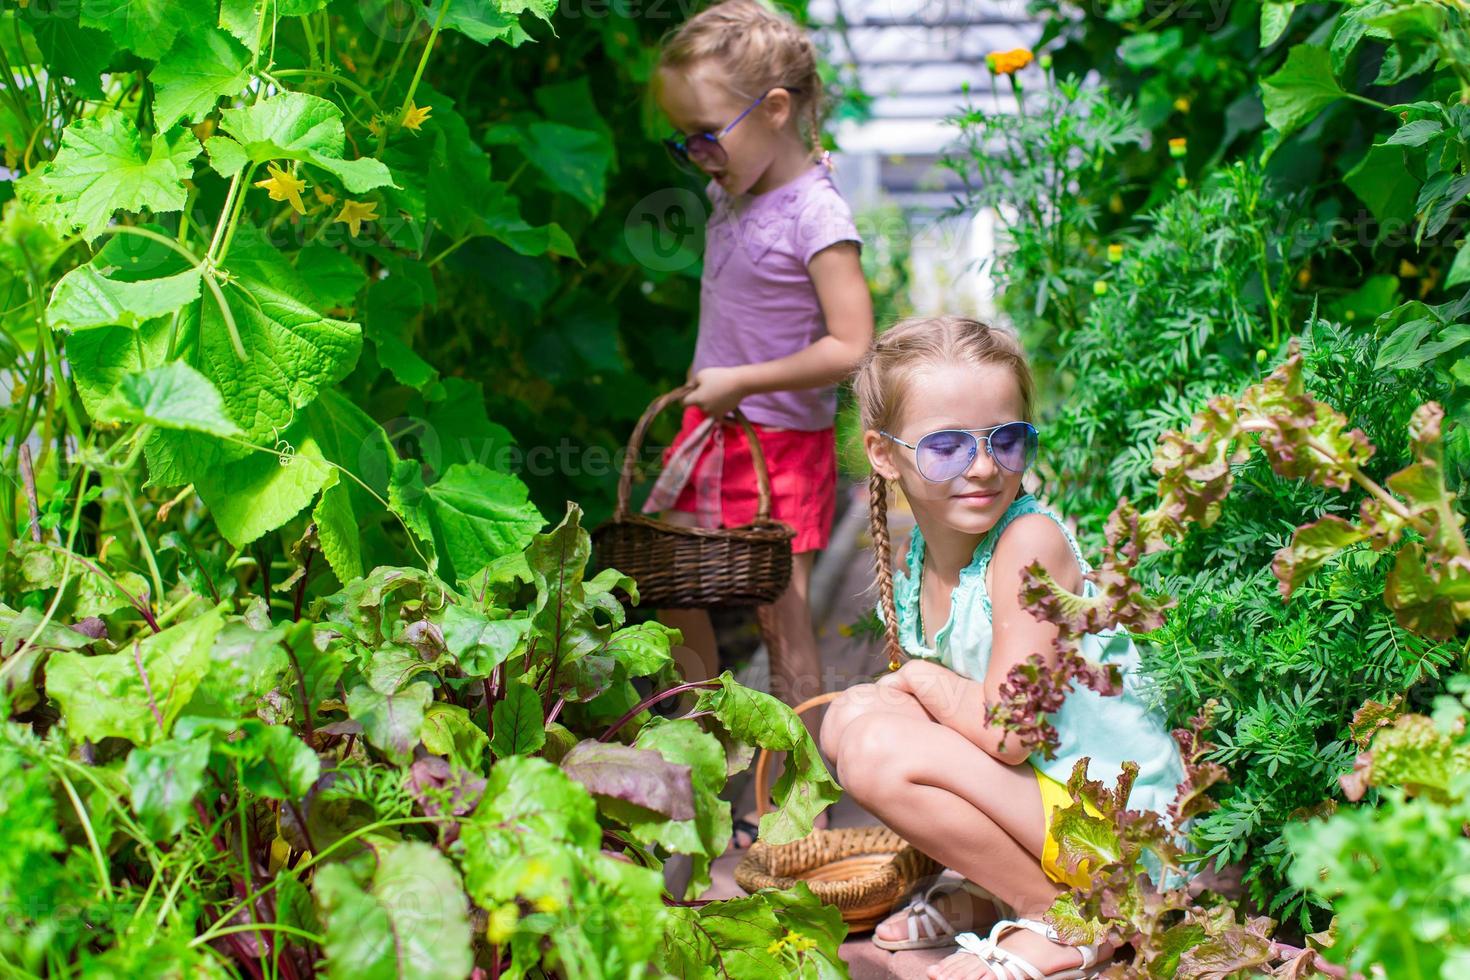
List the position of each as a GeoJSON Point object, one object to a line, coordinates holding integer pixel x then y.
{"type": "Point", "coordinates": [946, 407]}
{"type": "Point", "coordinates": [784, 308]}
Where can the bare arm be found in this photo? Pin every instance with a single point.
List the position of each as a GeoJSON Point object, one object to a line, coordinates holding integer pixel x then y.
{"type": "Point", "coordinates": [958, 702]}
{"type": "Point", "coordinates": [847, 307]}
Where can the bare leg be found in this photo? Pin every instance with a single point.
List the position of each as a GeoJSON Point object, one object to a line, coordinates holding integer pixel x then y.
{"type": "Point", "coordinates": [964, 808]}
{"type": "Point", "coordinates": [701, 662]}
{"type": "Point", "coordinates": [960, 908]}
{"type": "Point", "coordinates": [786, 627]}
{"type": "Point", "coordinates": [796, 663]}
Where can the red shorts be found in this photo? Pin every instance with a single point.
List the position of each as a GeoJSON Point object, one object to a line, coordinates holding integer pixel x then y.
{"type": "Point", "coordinates": [803, 469]}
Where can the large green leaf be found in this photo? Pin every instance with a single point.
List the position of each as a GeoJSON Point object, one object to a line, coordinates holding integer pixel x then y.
{"type": "Point", "coordinates": [107, 696]}
{"type": "Point", "coordinates": [705, 836]}
{"type": "Point", "coordinates": [202, 67]}
{"type": "Point", "coordinates": [164, 779]}
{"type": "Point", "coordinates": [517, 723]}
{"type": "Point", "coordinates": [333, 276]}
{"type": "Point", "coordinates": [746, 938]}
{"type": "Point", "coordinates": [479, 643]}
{"type": "Point", "coordinates": [488, 20]}
{"type": "Point", "coordinates": [102, 167]}
{"type": "Point", "coordinates": [85, 299]}
{"type": "Point", "coordinates": [275, 761]}
{"type": "Point", "coordinates": [756, 718]}
{"type": "Point", "coordinates": [572, 160]}
{"type": "Point", "coordinates": [449, 731]}
{"type": "Point", "coordinates": [337, 529]}
{"type": "Point", "coordinates": [391, 722]}
{"type": "Point", "coordinates": [293, 355]}
{"type": "Point", "coordinates": [472, 515]}
{"type": "Point", "coordinates": [70, 50]}
{"type": "Point", "coordinates": [1300, 89]}
{"type": "Point", "coordinates": [297, 126]}
{"type": "Point", "coordinates": [174, 396]}
{"type": "Point", "coordinates": [633, 775]}
{"type": "Point", "coordinates": [146, 27]}
{"type": "Point", "coordinates": [408, 923]}
{"type": "Point", "coordinates": [251, 496]}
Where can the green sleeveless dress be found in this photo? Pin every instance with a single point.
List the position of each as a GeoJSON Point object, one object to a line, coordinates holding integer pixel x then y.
{"type": "Point", "coordinates": [1107, 730]}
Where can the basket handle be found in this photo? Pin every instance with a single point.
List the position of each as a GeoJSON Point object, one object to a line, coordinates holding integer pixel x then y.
{"type": "Point", "coordinates": [635, 446]}
{"type": "Point", "coordinates": [763, 763]}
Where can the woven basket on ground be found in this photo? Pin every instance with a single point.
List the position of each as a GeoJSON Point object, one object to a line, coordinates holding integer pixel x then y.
{"type": "Point", "coordinates": [678, 567]}
{"type": "Point", "coordinates": [864, 871]}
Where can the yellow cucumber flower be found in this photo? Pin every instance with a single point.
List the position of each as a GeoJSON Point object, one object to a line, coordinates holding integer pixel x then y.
{"type": "Point", "coordinates": [283, 187]}
{"type": "Point", "coordinates": [354, 213]}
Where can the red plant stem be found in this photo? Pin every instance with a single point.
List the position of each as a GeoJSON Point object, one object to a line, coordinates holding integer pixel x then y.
{"type": "Point", "coordinates": [653, 699]}
{"type": "Point", "coordinates": [495, 967]}
{"type": "Point", "coordinates": [28, 477]}
{"type": "Point", "coordinates": [301, 688]}
{"type": "Point", "coordinates": [301, 586]}
{"type": "Point", "coordinates": [148, 688]}
{"type": "Point", "coordinates": [133, 600]}
{"type": "Point", "coordinates": [555, 710]}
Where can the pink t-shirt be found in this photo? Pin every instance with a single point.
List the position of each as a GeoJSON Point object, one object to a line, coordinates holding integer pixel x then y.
{"type": "Point", "coordinates": [757, 300]}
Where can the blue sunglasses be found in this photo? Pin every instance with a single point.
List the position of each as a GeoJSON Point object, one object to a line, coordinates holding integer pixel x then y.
{"type": "Point", "coordinates": [945, 454]}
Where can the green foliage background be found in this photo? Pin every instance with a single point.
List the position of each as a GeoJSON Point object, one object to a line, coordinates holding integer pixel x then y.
{"type": "Point", "coordinates": [1243, 175]}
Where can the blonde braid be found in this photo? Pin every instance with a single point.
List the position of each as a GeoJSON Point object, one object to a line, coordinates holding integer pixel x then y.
{"type": "Point", "coordinates": [883, 559]}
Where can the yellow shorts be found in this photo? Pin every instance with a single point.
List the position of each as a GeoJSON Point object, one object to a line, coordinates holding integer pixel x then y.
{"type": "Point", "coordinates": [1054, 796]}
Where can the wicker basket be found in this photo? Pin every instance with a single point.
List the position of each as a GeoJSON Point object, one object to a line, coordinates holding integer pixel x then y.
{"type": "Point", "coordinates": [864, 871]}
{"type": "Point", "coordinates": [678, 567]}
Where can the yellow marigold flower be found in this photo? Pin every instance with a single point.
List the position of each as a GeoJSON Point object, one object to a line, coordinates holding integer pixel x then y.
{"type": "Point", "coordinates": [283, 187]}
{"type": "Point", "coordinates": [414, 116]}
{"type": "Point", "coordinates": [1178, 147]}
{"type": "Point", "coordinates": [1008, 62]}
{"type": "Point", "coordinates": [1303, 276]}
{"type": "Point", "coordinates": [354, 213]}
{"type": "Point", "coordinates": [1181, 104]}
{"type": "Point", "coordinates": [1115, 253]}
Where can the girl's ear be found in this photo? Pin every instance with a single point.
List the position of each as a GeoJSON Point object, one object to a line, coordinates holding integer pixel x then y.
{"type": "Point", "coordinates": [878, 450]}
{"type": "Point", "coordinates": [777, 107]}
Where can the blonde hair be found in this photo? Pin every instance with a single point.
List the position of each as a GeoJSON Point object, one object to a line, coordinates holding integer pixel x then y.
{"type": "Point", "coordinates": [880, 384]}
{"type": "Point", "coordinates": [759, 49]}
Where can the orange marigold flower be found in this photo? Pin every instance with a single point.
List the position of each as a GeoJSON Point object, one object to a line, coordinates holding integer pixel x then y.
{"type": "Point", "coordinates": [1008, 62]}
{"type": "Point", "coordinates": [1178, 147]}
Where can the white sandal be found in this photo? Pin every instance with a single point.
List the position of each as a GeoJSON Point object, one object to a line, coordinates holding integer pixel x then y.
{"type": "Point", "coordinates": [1009, 966]}
{"type": "Point", "coordinates": [923, 917]}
